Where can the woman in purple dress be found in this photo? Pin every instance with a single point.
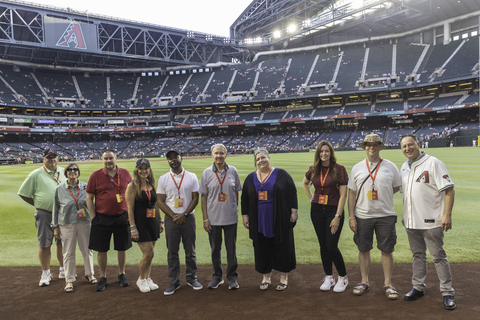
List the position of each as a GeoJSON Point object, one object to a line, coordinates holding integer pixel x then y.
{"type": "Point", "coordinates": [270, 211]}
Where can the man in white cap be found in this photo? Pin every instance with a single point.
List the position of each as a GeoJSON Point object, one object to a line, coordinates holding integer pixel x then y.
{"type": "Point", "coordinates": [38, 190]}
{"type": "Point", "coordinates": [372, 183]}
{"type": "Point", "coordinates": [428, 196]}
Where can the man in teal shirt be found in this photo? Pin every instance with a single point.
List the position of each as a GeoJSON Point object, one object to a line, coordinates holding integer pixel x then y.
{"type": "Point", "coordinates": [38, 190]}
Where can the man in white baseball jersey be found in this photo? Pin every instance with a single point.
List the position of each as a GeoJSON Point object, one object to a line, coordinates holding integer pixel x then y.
{"type": "Point", "coordinates": [371, 185]}
{"type": "Point", "coordinates": [428, 196]}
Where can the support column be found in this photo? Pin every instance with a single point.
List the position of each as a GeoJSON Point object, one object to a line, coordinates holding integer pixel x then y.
{"type": "Point", "coordinates": [447, 28]}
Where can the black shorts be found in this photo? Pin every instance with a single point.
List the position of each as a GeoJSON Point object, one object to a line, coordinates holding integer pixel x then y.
{"type": "Point", "coordinates": [104, 226]}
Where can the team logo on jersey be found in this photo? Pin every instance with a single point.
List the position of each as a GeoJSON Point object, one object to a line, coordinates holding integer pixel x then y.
{"type": "Point", "coordinates": [73, 34]}
{"type": "Point", "coordinates": [447, 177]}
{"type": "Point", "coordinates": [424, 177]}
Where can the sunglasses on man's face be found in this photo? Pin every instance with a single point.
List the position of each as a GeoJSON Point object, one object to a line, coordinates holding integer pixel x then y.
{"type": "Point", "coordinates": [72, 169]}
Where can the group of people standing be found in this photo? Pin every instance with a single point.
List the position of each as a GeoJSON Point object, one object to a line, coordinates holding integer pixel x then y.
{"type": "Point", "coordinates": [113, 203]}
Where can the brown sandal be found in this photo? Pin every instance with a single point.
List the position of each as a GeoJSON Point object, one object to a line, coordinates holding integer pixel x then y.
{"type": "Point", "coordinates": [360, 289]}
{"type": "Point", "coordinates": [390, 292]}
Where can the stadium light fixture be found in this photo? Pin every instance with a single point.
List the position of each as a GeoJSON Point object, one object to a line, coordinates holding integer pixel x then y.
{"type": "Point", "coordinates": [277, 34]}
{"type": "Point", "coordinates": [292, 28]}
{"type": "Point", "coordinates": [307, 23]}
{"type": "Point", "coordinates": [258, 40]}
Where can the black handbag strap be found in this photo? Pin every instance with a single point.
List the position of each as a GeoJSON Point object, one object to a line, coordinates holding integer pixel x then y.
{"type": "Point", "coordinates": [361, 186]}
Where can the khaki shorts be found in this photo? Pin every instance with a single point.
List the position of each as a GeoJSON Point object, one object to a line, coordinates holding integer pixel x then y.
{"type": "Point", "coordinates": [385, 232]}
{"type": "Point", "coordinates": [43, 222]}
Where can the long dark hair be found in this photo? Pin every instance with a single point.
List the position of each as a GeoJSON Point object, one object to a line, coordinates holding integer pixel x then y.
{"type": "Point", "coordinates": [317, 163]}
{"type": "Point", "coordinates": [137, 184]}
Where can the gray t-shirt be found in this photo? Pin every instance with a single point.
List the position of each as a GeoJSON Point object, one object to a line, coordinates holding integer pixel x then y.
{"type": "Point", "coordinates": [221, 213]}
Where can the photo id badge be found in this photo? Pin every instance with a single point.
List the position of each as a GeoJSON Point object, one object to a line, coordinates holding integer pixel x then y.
{"type": "Point", "coordinates": [178, 202]}
{"type": "Point", "coordinates": [150, 213]}
{"type": "Point", "coordinates": [262, 196]}
{"type": "Point", "coordinates": [120, 197]}
{"type": "Point", "coordinates": [372, 195]}
{"type": "Point", "coordinates": [222, 197]}
{"type": "Point", "coordinates": [81, 213]}
{"type": "Point", "coordinates": [322, 199]}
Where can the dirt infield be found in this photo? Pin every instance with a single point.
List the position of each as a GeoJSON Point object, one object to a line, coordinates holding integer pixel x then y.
{"type": "Point", "coordinates": [21, 298]}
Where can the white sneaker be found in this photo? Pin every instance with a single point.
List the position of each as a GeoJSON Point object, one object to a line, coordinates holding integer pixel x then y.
{"type": "Point", "coordinates": [61, 274]}
{"type": "Point", "coordinates": [328, 282]}
{"type": "Point", "coordinates": [45, 280]}
{"type": "Point", "coordinates": [341, 285]}
{"type": "Point", "coordinates": [152, 285]}
{"type": "Point", "coordinates": [143, 285]}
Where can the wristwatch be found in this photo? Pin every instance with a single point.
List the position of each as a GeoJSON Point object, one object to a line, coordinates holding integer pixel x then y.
{"type": "Point", "coordinates": [338, 216]}
{"type": "Point", "coordinates": [185, 214]}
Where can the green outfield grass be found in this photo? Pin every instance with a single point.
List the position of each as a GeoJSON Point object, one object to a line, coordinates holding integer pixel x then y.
{"type": "Point", "coordinates": [462, 243]}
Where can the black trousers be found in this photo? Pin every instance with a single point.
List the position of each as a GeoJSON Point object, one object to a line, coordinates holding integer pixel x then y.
{"type": "Point", "coordinates": [322, 216]}
{"type": "Point", "coordinates": [278, 256]}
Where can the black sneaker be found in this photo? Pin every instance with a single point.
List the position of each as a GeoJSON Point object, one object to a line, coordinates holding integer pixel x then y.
{"type": "Point", "coordinates": [123, 280]}
{"type": "Point", "coordinates": [101, 284]}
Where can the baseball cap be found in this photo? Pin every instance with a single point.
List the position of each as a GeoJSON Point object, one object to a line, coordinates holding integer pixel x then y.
{"type": "Point", "coordinates": [141, 162]}
{"type": "Point", "coordinates": [173, 150]}
{"type": "Point", "coordinates": [48, 152]}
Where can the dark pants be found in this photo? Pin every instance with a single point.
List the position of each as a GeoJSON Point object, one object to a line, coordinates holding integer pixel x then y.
{"type": "Point", "coordinates": [186, 234]}
{"type": "Point", "coordinates": [215, 238]}
{"type": "Point", "coordinates": [104, 226]}
{"type": "Point", "coordinates": [322, 216]}
{"type": "Point", "coordinates": [271, 255]}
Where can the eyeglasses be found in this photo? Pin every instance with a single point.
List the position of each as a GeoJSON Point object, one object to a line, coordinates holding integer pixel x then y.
{"type": "Point", "coordinates": [72, 169]}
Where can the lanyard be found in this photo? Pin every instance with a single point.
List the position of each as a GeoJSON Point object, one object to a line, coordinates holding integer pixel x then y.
{"type": "Point", "coordinates": [322, 179]}
{"type": "Point", "coordinates": [78, 196]}
{"type": "Point", "coordinates": [262, 182]}
{"type": "Point", "coordinates": [181, 181]}
{"type": "Point", "coordinates": [147, 192]}
{"type": "Point", "coordinates": [58, 175]}
{"type": "Point", "coordinates": [221, 182]}
{"type": "Point", "coordinates": [370, 173]}
{"type": "Point", "coordinates": [111, 179]}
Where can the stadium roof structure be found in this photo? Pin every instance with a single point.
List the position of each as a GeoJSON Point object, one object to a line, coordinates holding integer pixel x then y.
{"type": "Point", "coordinates": [276, 22]}
{"type": "Point", "coordinates": [29, 34]}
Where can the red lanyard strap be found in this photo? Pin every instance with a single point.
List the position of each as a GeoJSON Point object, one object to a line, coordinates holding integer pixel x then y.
{"type": "Point", "coordinates": [322, 179]}
{"type": "Point", "coordinates": [78, 195]}
{"type": "Point", "coordinates": [111, 179]}
{"type": "Point", "coordinates": [370, 173]}
{"type": "Point", "coordinates": [181, 181]}
{"type": "Point", "coordinates": [147, 192]}
{"type": "Point", "coordinates": [58, 175]}
{"type": "Point", "coordinates": [221, 182]}
{"type": "Point", "coordinates": [260, 175]}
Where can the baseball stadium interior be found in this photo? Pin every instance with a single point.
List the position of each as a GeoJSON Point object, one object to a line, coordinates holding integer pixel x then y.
{"type": "Point", "coordinates": [292, 73]}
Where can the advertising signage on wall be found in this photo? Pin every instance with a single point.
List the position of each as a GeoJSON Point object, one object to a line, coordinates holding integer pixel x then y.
{"type": "Point", "coordinates": [70, 35]}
